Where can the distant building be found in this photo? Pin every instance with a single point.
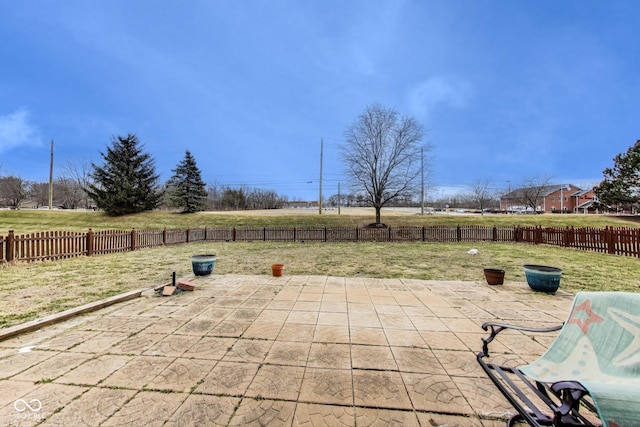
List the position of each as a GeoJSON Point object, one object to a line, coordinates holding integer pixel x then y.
{"type": "Point", "coordinates": [25, 204]}
{"type": "Point", "coordinates": [298, 204]}
{"type": "Point", "coordinates": [587, 201]}
{"type": "Point", "coordinates": [565, 198]}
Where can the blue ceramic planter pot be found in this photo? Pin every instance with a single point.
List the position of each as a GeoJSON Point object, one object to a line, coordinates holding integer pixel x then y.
{"type": "Point", "coordinates": [543, 278]}
{"type": "Point", "coordinates": [203, 264]}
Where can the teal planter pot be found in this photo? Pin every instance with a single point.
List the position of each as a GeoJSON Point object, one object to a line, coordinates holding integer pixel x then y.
{"type": "Point", "coordinates": [542, 278]}
{"type": "Point", "coordinates": [203, 264]}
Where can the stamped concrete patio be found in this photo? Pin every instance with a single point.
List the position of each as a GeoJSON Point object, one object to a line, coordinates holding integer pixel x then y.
{"type": "Point", "coordinates": [258, 350]}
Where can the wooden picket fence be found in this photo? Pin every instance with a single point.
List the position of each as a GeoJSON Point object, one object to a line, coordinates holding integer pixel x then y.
{"type": "Point", "coordinates": [63, 244]}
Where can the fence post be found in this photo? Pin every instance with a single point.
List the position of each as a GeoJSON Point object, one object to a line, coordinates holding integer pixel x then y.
{"type": "Point", "coordinates": [164, 236]}
{"type": "Point", "coordinates": [264, 234]}
{"type": "Point", "coordinates": [133, 239]}
{"type": "Point", "coordinates": [495, 234]}
{"type": "Point", "coordinates": [90, 242]}
{"type": "Point", "coordinates": [10, 246]}
{"type": "Point", "coordinates": [205, 234]}
{"type": "Point", "coordinates": [233, 235]}
{"type": "Point", "coordinates": [458, 233]}
{"type": "Point", "coordinates": [389, 233]}
{"type": "Point", "coordinates": [187, 235]}
{"type": "Point", "coordinates": [611, 247]}
{"type": "Point", "coordinates": [424, 233]}
{"type": "Point", "coordinates": [294, 234]}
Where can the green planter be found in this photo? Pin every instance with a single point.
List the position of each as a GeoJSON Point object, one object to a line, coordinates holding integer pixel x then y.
{"type": "Point", "coordinates": [203, 264]}
{"type": "Point", "coordinates": [542, 278]}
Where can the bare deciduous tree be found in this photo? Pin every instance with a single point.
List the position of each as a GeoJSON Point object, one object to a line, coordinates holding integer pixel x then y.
{"type": "Point", "coordinates": [40, 193]}
{"type": "Point", "coordinates": [234, 199]}
{"type": "Point", "coordinates": [264, 199]}
{"type": "Point", "coordinates": [214, 193]}
{"type": "Point", "coordinates": [532, 192]}
{"type": "Point", "coordinates": [14, 190]}
{"type": "Point", "coordinates": [68, 193]}
{"type": "Point", "coordinates": [76, 176]}
{"type": "Point", "coordinates": [482, 193]}
{"type": "Point", "coordinates": [222, 197]}
{"type": "Point", "coordinates": [382, 155]}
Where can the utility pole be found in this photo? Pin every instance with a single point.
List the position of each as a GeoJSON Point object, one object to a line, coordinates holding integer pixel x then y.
{"type": "Point", "coordinates": [339, 201]}
{"type": "Point", "coordinates": [51, 178]}
{"type": "Point", "coordinates": [422, 176]}
{"type": "Point", "coordinates": [320, 195]}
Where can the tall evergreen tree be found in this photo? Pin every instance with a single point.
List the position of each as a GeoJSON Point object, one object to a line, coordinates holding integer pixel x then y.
{"type": "Point", "coordinates": [621, 183]}
{"type": "Point", "coordinates": [127, 182]}
{"type": "Point", "coordinates": [186, 188]}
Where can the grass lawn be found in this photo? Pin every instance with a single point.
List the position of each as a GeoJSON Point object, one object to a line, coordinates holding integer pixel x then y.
{"type": "Point", "coordinates": [32, 290]}
{"type": "Point", "coordinates": [29, 221]}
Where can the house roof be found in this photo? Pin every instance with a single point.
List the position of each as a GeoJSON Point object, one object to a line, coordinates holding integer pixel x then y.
{"type": "Point", "coordinates": [587, 204]}
{"type": "Point", "coordinates": [545, 190]}
{"type": "Point", "coordinates": [582, 192]}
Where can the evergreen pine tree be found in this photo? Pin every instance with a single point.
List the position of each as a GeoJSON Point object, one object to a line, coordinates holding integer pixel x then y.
{"type": "Point", "coordinates": [621, 183]}
{"type": "Point", "coordinates": [186, 188]}
{"type": "Point", "coordinates": [127, 182]}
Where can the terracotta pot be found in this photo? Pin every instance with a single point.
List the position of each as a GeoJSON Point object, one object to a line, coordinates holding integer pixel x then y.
{"type": "Point", "coordinates": [277, 269]}
{"type": "Point", "coordinates": [494, 276]}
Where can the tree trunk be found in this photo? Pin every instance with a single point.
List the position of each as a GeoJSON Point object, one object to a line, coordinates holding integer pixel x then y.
{"type": "Point", "coordinates": [378, 215]}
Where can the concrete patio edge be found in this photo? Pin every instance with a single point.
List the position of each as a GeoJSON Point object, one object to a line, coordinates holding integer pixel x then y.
{"type": "Point", "coordinates": [64, 315]}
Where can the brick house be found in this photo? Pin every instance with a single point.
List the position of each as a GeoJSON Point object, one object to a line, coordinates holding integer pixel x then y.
{"type": "Point", "coordinates": [586, 201]}
{"type": "Point", "coordinates": [565, 198]}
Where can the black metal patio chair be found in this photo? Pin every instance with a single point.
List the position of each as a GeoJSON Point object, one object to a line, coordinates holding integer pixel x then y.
{"type": "Point", "coordinates": [589, 376]}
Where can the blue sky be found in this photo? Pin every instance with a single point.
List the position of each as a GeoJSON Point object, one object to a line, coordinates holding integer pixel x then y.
{"type": "Point", "coordinates": [506, 90]}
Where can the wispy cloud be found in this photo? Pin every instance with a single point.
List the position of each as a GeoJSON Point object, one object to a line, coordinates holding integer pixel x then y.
{"type": "Point", "coordinates": [17, 131]}
{"type": "Point", "coordinates": [436, 92]}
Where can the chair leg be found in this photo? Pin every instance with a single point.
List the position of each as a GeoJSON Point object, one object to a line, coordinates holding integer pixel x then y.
{"type": "Point", "coordinates": [515, 419]}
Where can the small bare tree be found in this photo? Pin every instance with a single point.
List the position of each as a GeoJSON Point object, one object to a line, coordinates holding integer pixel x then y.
{"type": "Point", "coordinates": [69, 193]}
{"type": "Point", "coordinates": [40, 193]}
{"type": "Point", "coordinates": [532, 191]}
{"type": "Point", "coordinates": [263, 199]}
{"type": "Point", "coordinates": [214, 193]}
{"type": "Point", "coordinates": [482, 194]}
{"type": "Point", "coordinates": [382, 155]}
{"type": "Point", "coordinates": [76, 176]}
{"type": "Point", "coordinates": [14, 190]}
{"type": "Point", "coordinates": [234, 199]}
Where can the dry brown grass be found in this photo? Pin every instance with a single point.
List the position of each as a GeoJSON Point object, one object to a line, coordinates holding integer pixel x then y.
{"type": "Point", "coordinates": [29, 221]}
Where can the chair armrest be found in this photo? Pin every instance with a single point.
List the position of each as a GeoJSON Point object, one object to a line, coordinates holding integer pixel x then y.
{"type": "Point", "coordinates": [496, 328]}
